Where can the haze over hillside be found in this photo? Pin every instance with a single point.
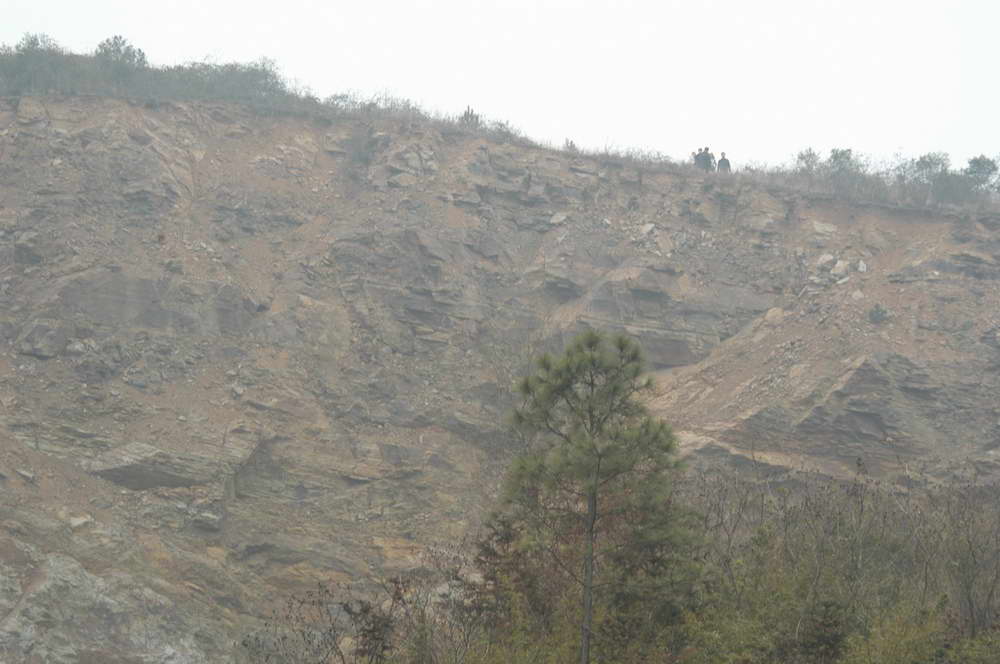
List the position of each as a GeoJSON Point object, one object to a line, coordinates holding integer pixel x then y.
{"type": "Point", "coordinates": [246, 348]}
{"type": "Point", "coordinates": [760, 80]}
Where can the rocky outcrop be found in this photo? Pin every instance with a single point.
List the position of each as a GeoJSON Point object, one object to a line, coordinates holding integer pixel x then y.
{"type": "Point", "coordinates": [143, 466]}
{"type": "Point", "coordinates": [43, 339]}
{"type": "Point", "coordinates": [883, 397]}
{"type": "Point", "coordinates": [68, 615]}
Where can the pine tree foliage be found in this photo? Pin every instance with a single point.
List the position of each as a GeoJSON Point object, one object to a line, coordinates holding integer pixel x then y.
{"type": "Point", "coordinates": [596, 490]}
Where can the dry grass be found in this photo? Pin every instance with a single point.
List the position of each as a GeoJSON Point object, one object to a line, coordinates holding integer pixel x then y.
{"type": "Point", "coordinates": [37, 65]}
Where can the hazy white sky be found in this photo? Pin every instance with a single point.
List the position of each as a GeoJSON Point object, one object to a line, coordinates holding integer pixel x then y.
{"type": "Point", "coordinates": [759, 79]}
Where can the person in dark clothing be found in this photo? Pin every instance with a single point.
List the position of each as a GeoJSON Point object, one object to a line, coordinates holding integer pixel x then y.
{"type": "Point", "coordinates": [709, 160]}
{"type": "Point", "coordinates": [703, 160]}
{"type": "Point", "coordinates": [724, 166]}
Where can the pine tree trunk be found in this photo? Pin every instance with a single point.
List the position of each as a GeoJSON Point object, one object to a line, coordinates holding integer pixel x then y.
{"type": "Point", "coordinates": [588, 577]}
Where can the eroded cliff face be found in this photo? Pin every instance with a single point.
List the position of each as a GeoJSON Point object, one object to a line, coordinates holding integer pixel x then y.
{"type": "Point", "coordinates": [241, 354]}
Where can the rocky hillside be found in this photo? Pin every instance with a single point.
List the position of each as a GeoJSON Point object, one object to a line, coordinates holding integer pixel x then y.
{"type": "Point", "coordinates": [240, 354]}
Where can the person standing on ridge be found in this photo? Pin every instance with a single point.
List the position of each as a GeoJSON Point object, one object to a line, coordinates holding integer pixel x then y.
{"type": "Point", "coordinates": [703, 160]}
{"type": "Point", "coordinates": [724, 166]}
{"type": "Point", "coordinates": [709, 160]}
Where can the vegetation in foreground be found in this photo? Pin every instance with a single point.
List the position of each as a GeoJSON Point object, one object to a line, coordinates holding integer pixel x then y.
{"type": "Point", "coordinates": [116, 68]}
{"type": "Point", "coordinates": [604, 550]}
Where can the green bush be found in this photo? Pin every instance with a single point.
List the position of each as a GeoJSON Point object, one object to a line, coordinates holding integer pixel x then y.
{"type": "Point", "coordinates": [878, 314]}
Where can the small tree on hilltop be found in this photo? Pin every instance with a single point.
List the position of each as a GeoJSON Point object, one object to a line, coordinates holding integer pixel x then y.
{"type": "Point", "coordinates": [118, 51]}
{"type": "Point", "coordinates": [595, 492]}
{"type": "Point", "coordinates": [982, 170]}
{"type": "Point", "coordinates": [31, 66]}
{"type": "Point", "coordinates": [846, 172]}
{"type": "Point", "coordinates": [120, 60]}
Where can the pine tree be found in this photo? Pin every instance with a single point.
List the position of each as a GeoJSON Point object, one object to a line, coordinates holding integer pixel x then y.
{"type": "Point", "coordinates": [595, 490]}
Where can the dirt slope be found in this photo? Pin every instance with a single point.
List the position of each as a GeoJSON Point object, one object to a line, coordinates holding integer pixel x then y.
{"type": "Point", "coordinates": [239, 354]}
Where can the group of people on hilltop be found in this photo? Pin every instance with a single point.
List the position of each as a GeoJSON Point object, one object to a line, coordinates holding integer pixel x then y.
{"type": "Point", "coordinates": [705, 160]}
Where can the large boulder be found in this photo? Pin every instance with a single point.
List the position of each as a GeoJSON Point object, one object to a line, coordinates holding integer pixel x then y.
{"type": "Point", "coordinates": [43, 339]}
